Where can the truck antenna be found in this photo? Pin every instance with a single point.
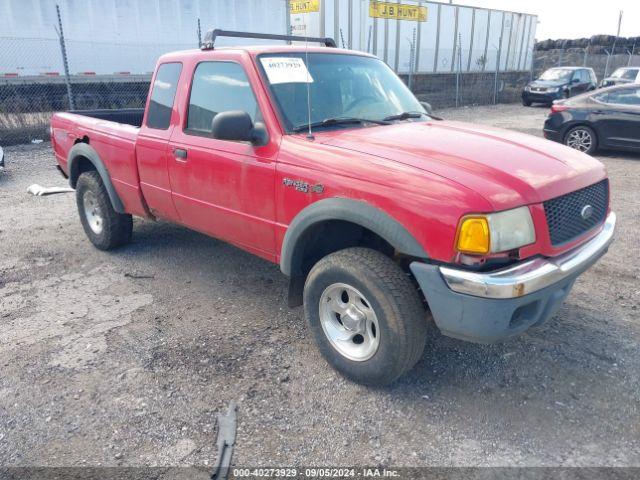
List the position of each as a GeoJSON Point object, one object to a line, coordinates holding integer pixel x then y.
{"type": "Point", "coordinates": [306, 54]}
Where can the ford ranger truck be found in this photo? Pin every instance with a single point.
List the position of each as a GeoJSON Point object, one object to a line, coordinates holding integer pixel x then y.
{"type": "Point", "coordinates": [321, 160]}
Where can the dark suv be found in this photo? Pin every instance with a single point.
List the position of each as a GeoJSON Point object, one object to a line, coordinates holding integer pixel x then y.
{"type": "Point", "coordinates": [557, 83]}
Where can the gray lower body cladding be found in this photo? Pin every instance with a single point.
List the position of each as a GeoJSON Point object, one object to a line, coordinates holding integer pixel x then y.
{"type": "Point", "coordinates": [487, 320]}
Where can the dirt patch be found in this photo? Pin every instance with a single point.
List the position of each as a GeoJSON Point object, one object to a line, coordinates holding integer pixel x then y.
{"type": "Point", "coordinates": [125, 358]}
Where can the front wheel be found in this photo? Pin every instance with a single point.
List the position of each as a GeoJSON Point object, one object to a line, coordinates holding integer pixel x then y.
{"type": "Point", "coordinates": [105, 227]}
{"type": "Point", "coordinates": [366, 316]}
{"type": "Point", "coordinates": [581, 138]}
{"type": "Point", "coordinates": [526, 103]}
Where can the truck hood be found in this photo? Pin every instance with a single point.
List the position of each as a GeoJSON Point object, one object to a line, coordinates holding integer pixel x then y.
{"type": "Point", "coordinates": [507, 168]}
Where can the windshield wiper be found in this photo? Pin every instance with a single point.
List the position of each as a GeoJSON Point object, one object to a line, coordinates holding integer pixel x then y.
{"type": "Point", "coordinates": [405, 116]}
{"type": "Point", "coordinates": [327, 122]}
{"type": "Point", "coordinates": [408, 115]}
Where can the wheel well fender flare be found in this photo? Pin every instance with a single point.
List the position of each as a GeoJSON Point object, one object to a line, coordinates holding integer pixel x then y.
{"type": "Point", "coordinates": [354, 211]}
{"type": "Point", "coordinates": [84, 152]}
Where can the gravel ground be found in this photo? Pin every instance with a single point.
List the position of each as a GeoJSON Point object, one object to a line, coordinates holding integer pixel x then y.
{"type": "Point", "coordinates": [125, 358]}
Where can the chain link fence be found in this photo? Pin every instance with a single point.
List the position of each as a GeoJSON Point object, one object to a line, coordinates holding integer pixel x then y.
{"type": "Point", "coordinates": [36, 85]}
{"type": "Point", "coordinates": [603, 53]}
{"type": "Point", "coordinates": [29, 95]}
{"type": "Point", "coordinates": [42, 75]}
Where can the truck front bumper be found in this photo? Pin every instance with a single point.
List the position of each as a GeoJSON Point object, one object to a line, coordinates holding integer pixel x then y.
{"type": "Point", "coordinates": [491, 306]}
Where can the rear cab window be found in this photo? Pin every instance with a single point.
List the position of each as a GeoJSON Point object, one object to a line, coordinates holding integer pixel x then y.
{"type": "Point", "coordinates": [218, 86]}
{"type": "Point", "coordinates": [163, 95]}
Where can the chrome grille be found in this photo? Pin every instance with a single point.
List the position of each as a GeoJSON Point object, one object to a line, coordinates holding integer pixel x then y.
{"type": "Point", "coordinates": [566, 215]}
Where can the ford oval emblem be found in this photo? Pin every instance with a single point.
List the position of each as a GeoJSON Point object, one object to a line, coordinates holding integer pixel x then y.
{"type": "Point", "coordinates": [586, 212]}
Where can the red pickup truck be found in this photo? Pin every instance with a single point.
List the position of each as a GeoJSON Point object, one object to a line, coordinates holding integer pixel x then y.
{"type": "Point", "coordinates": [321, 160]}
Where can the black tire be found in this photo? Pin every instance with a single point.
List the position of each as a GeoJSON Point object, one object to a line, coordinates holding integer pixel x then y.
{"type": "Point", "coordinates": [113, 229]}
{"type": "Point", "coordinates": [526, 103]}
{"type": "Point", "coordinates": [401, 317]}
{"type": "Point", "coordinates": [586, 131]}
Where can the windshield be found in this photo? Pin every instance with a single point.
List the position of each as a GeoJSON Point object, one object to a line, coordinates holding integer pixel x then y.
{"type": "Point", "coordinates": [557, 74]}
{"type": "Point", "coordinates": [626, 73]}
{"type": "Point", "coordinates": [340, 86]}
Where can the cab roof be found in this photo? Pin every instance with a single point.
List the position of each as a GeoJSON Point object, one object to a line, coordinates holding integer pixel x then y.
{"type": "Point", "coordinates": [570, 68]}
{"type": "Point", "coordinates": [254, 50]}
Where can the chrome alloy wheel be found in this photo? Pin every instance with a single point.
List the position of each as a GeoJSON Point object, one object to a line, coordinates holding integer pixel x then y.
{"type": "Point", "coordinates": [349, 322]}
{"type": "Point", "coordinates": [580, 139]}
{"type": "Point", "coordinates": [92, 212]}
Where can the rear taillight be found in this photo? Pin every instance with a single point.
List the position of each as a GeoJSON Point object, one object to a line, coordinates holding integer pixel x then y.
{"type": "Point", "coordinates": [555, 108]}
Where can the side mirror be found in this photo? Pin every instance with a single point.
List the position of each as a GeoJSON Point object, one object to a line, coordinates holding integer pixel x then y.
{"type": "Point", "coordinates": [575, 80]}
{"type": "Point", "coordinates": [427, 107]}
{"type": "Point", "coordinates": [237, 126]}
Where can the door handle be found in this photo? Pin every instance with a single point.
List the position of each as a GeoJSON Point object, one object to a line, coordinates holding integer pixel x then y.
{"type": "Point", "coordinates": [181, 154]}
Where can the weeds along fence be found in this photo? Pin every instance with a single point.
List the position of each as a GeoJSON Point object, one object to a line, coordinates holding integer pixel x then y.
{"type": "Point", "coordinates": [27, 103]}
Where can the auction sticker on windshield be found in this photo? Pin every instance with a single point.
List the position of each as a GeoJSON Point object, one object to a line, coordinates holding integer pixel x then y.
{"type": "Point", "coordinates": [286, 70]}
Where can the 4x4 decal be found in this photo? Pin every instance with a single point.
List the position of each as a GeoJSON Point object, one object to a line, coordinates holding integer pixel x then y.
{"type": "Point", "coordinates": [302, 186]}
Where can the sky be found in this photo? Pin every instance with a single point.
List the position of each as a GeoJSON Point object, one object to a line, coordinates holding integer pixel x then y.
{"type": "Point", "coordinates": [572, 18]}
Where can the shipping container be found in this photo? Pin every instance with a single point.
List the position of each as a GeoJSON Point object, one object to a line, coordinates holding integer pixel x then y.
{"type": "Point", "coordinates": [445, 37]}
{"type": "Point", "coordinates": [119, 37]}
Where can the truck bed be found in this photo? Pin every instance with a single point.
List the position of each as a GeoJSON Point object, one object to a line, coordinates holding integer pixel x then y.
{"type": "Point", "coordinates": [128, 116]}
{"type": "Point", "coordinates": [113, 135]}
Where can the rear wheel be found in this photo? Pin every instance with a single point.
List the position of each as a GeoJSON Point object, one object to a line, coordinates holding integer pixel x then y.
{"type": "Point", "coordinates": [105, 227]}
{"type": "Point", "coordinates": [366, 316]}
{"type": "Point", "coordinates": [581, 138]}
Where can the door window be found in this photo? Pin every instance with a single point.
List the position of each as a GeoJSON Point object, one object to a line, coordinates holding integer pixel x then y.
{"type": "Point", "coordinates": [630, 96]}
{"type": "Point", "coordinates": [218, 87]}
{"type": "Point", "coordinates": [629, 74]}
{"type": "Point", "coordinates": [163, 95]}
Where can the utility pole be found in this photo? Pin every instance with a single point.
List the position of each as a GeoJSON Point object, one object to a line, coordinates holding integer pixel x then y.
{"type": "Point", "coordinates": [65, 61]}
{"type": "Point", "coordinates": [613, 50]}
{"type": "Point", "coordinates": [617, 34]}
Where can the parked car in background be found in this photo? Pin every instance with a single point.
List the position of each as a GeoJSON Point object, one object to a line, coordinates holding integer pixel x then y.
{"type": "Point", "coordinates": [622, 76]}
{"type": "Point", "coordinates": [1, 158]}
{"type": "Point", "coordinates": [558, 83]}
{"type": "Point", "coordinates": [608, 118]}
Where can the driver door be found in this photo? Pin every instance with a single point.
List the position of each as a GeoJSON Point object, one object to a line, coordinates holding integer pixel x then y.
{"type": "Point", "coordinates": [220, 187]}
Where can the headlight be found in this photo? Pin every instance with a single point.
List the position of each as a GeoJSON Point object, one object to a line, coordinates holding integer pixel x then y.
{"type": "Point", "coordinates": [495, 232]}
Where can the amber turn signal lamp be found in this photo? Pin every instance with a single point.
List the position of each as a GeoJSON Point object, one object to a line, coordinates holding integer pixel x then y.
{"type": "Point", "coordinates": [473, 236]}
